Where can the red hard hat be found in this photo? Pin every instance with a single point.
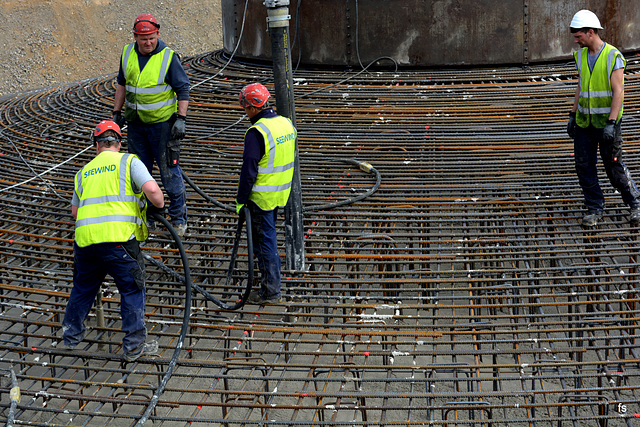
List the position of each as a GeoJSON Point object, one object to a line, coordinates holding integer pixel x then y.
{"type": "Point", "coordinates": [254, 95]}
{"type": "Point", "coordinates": [145, 23]}
{"type": "Point", "coordinates": [106, 125]}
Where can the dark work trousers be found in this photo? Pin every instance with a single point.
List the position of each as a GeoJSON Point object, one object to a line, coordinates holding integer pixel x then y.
{"type": "Point", "coordinates": [149, 143]}
{"type": "Point", "coordinates": [586, 143]}
{"type": "Point", "coordinates": [92, 264]}
{"type": "Point", "coordinates": [265, 248]}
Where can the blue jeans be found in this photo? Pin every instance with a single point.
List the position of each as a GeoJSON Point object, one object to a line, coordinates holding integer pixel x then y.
{"type": "Point", "coordinates": [265, 248]}
{"type": "Point", "coordinates": [586, 143]}
{"type": "Point", "coordinates": [149, 143]}
{"type": "Point", "coordinates": [92, 264]}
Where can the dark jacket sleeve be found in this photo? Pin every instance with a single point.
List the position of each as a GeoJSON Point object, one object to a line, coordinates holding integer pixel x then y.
{"type": "Point", "coordinates": [253, 152]}
{"type": "Point", "coordinates": [122, 81]}
{"type": "Point", "coordinates": [178, 79]}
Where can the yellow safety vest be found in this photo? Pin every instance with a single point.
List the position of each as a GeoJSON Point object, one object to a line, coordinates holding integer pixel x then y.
{"type": "Point", "coordinates": [594, 103]}
{"type": "Point", "coordinates": [148, 96]}
{"type": "Point", "coordinates": [109, 209]}
{"type": "Point", "coordinates": [275, 168]}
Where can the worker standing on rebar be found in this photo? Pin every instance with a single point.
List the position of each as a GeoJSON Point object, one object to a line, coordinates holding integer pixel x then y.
{"type": "Point", "coordinates": [265, 184]}
{"type": "Point", "coordinates": [154, 90]}
{"type": "Point", "coordinates": [109, 208]}
{"type": "Point", "coordinates": [596, 119]}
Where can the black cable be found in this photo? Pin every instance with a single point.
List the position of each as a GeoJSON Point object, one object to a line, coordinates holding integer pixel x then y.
{"type": "Point", "coordinates": [296, 37]}
{"type": "Point", "coordinates": [350, 77]}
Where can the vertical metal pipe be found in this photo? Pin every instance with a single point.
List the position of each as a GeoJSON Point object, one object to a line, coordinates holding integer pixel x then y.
{"type": "Point", "coordinates": [278, 22]}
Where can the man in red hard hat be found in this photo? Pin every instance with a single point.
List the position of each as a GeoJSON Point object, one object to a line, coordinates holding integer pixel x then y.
{"type": "Point", "coordinates": [265, 183]}
{"type": "Point", "coordinates": [109, 208]}
{"type": "Point", "coordinates": [595, 121]}
{"type": "Point", "coordinates": [153, 88]}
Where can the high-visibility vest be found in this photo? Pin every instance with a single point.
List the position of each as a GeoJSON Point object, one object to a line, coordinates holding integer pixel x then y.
{"type": "Point", "coordinates": [594, 103]}
{"type": "Point", "coordinates": [109, 209]}
{"type": "Point", "coordinates": [148, 96]}
{"type": "Point", "coordinates": [275, 168]}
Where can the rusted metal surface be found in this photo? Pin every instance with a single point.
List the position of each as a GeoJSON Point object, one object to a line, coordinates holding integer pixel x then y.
{"type": "Point", "coordinates": [428, 32]}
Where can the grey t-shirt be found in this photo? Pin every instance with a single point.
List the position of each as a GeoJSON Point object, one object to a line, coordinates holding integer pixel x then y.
{"type": "Point", "coordinates": [591, 59]}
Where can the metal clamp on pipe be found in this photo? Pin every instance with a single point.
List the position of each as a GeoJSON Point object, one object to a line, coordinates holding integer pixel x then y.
{"type": "Point", "coordinates": [278, 17]}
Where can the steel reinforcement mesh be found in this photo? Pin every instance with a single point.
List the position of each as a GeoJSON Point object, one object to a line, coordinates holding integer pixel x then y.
{"type": "Point", "coordinates": [463, 292]}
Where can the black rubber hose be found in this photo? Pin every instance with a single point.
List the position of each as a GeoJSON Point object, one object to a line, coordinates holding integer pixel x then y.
{"type": "Point", "coordinates": [185, 322]}
{"type": "Point", "coordinates": [187, 303]}
{"type": "Point", "coordinates": [205, 195]}
{"type": "Point", "coordinates": [246, 214]}
{"type": "Point", "coordinates": [14, 396]}
{"type": "Point", "coordinates": [365, 167]}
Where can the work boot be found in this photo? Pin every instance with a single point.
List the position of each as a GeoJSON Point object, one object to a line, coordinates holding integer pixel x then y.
{"type": "Point", "coordinates": [256, 298]}
{"type": "Point", "coordinates": [591, 218]}
{"type": "Point", "coordinates": [634, 217]}
{"type": "Point", "coordinates": [181, 229]}
{"type": "Point", "coordinates": [147, 349]}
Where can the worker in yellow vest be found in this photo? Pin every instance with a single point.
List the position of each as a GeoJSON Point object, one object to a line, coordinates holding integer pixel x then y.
{"type": "Point", "coordinates": [596, 119]}
{"type": "Point", "coordinates": [109, 208]}
{"type": "Point", "coordinates": [153, 88]}
{"type": "Point", "coordinates": [265, 184]}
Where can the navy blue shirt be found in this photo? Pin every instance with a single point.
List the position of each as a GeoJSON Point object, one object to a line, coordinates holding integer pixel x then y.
{"type": "Point", "coordinates": [253, 151]}
{"type": "Point", "coordinates": [176, 76]}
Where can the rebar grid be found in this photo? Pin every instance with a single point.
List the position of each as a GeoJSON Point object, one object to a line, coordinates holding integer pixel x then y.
{"type": "Point", "coordinates": [463, 292]}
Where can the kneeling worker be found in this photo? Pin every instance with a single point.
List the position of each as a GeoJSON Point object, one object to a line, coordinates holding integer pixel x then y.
{"type": "Point", "coordinates": [109, 208]}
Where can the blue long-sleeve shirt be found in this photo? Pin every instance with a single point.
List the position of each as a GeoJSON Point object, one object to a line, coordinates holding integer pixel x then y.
{"type": "Point", "coordinates": [176, 76]}
{"type": "Point", "coordinates": [253, 151]}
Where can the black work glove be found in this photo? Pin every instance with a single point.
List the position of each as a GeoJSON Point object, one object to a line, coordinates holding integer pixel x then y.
{"type": "Point", "coordinates": [609, 132]}
{"type": "Point", "coordinates": [118, 118]}
{"type": "Point", "coordinates": [178, 130]}
{"type": "Point", "coordinates": [152, 209]}
{"type": "Point", "coordinates": [571, 125]}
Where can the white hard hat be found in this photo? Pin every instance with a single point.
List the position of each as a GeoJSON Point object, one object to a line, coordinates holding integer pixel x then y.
{"type": "Point", "coordinates": [585, 19]}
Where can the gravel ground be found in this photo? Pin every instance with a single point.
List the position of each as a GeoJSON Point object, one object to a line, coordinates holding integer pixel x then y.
{"type": "Point", "coordinates": [49, 42]}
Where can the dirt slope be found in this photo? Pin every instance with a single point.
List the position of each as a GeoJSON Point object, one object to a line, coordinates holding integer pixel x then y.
{"type": "Point", "coordinates": [48, 42]}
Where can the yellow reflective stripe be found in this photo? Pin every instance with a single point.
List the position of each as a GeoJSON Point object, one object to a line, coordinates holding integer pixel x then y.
{"type": "Point", "coordinates": [603, 110]}
{"type": "Point", "coordinates": [153, 106]}
{"type": "Point", "coordinates": [108, 218]}
{"type": "Point", "coordinates": [149, 90]}
{"type": "Point", "coordinates": [166, 55]}
{"type": "Point", "coordinates": [276, 169]}
{"type": "Point", "coordinates": [79, 181]}
{"type": "Point", "coordinates": [108, 199]}
{"type": "Point", "coordinates": [271, 188]}
{"type": "Point", "coordinates": [125, 57]}
{"type": "Point", "coordinates": [270, 141]}
{"type": "Point", "coordinates": [597, 93]}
